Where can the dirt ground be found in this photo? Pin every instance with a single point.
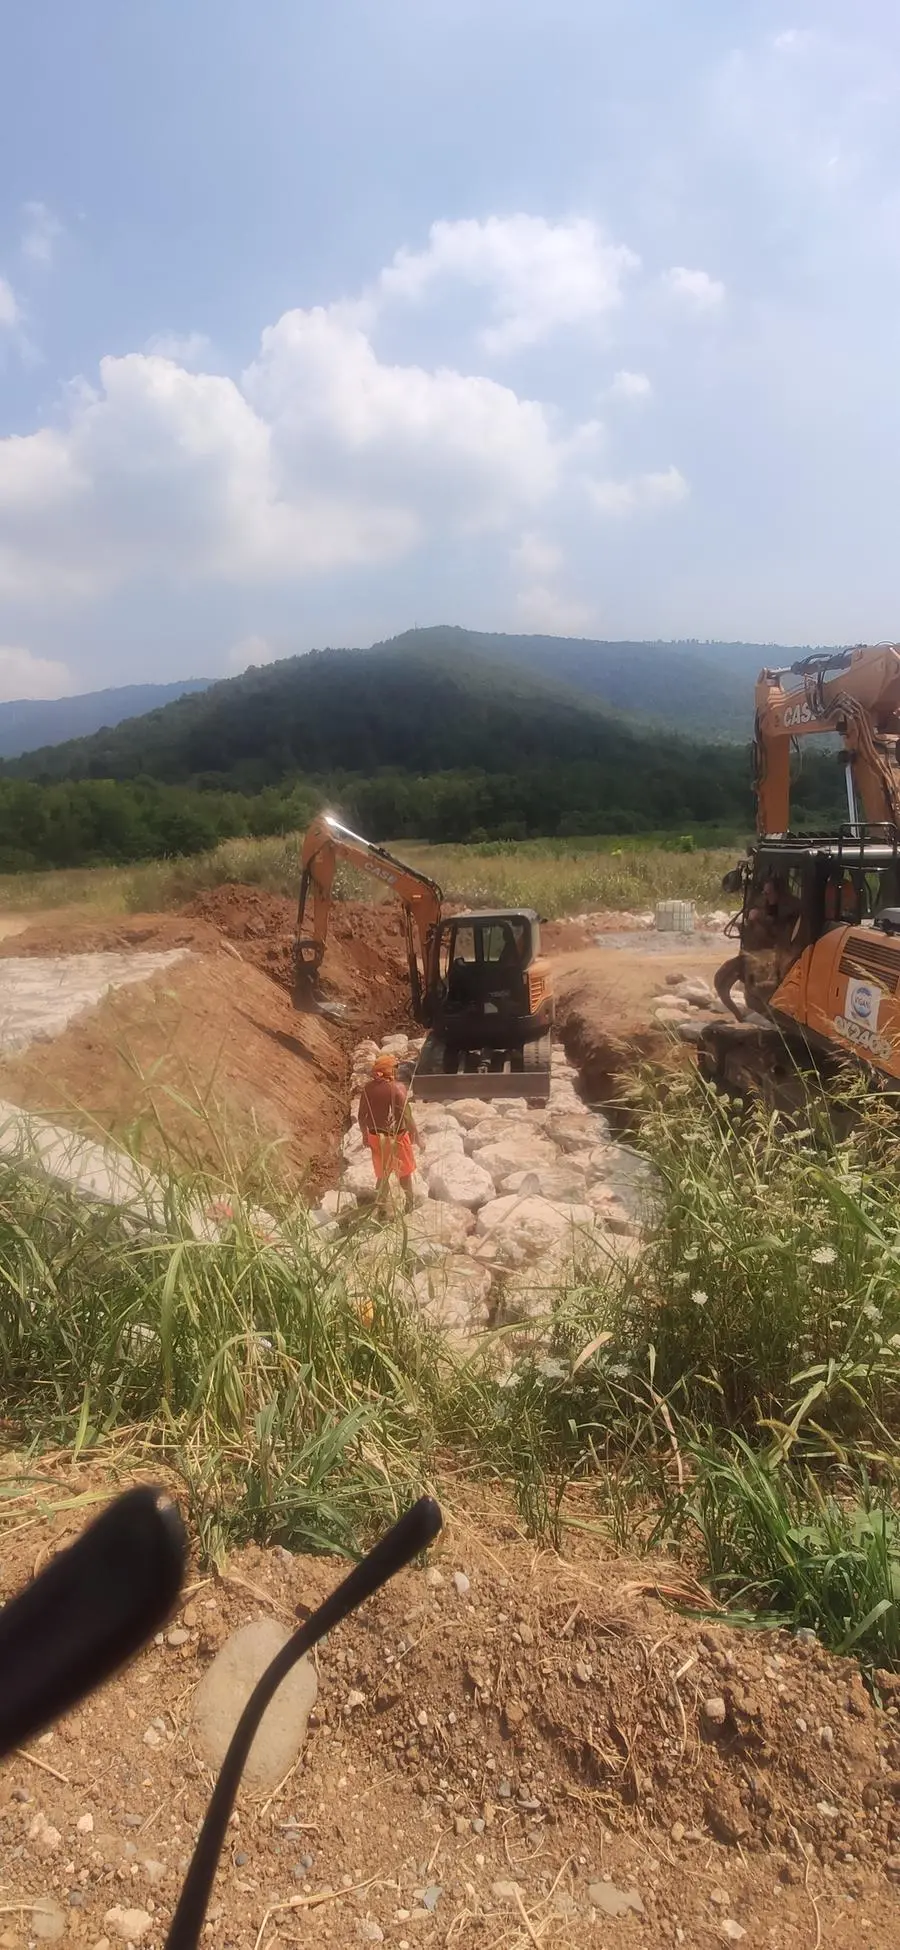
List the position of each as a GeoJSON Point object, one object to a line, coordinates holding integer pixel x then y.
{"type": "Point", "coordinates": [216, 1045]}
{"type": "Point", "coordinates": [603, 1004]}
{"type": "Point", "coordinates": [507, 1749]}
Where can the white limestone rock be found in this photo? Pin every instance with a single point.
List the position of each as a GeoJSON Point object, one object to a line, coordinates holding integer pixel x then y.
{"type": "Point", "coordinates": [459, 1180]}
{"type": "Point", "coordinates": [454, 1295]}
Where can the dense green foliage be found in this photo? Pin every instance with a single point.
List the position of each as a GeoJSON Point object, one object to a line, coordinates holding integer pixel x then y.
{"type": "Point", "coordinates": [698, 689]}
{"type": "Point", "coordinates": [359, 711]}
{"type": "Point", "coordinates": [407, 744]}
{"type": "Point", "coordinates": [100, 822]}
{"type": "Point", "coordinates": [92, 822]}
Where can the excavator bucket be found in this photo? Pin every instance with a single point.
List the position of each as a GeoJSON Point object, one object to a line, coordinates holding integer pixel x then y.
{"type": "Point", "coordinates": [307, 962]}
{"type": "Point", "coordinates": [444, 1074]}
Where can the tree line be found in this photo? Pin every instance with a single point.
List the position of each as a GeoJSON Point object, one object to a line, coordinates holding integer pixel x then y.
{"type": "Point", "coordinates": [98, 822]}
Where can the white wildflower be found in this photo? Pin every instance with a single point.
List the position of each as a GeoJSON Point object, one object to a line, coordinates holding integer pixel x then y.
{"type": "Point", "coordinates": [699, 1297]}
{"type": "Point", "coordinates": [871, 1311]}
{"type": "Point", "coordinates": [823, 1256]}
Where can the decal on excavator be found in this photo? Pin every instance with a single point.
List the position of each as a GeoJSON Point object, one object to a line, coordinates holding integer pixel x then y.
{"type": "Point", "coordinates": [859, 1022]}
{"type": "Point", "coordinates": [864, 1039]}
{"type": "Point", "coordinates": [797, 714]}
{"type": "Point", "coordinates": [863, 1002]}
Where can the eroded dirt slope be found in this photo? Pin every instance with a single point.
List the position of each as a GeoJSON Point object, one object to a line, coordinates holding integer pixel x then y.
{"type": "Point", "coordinates": [217, 1044]}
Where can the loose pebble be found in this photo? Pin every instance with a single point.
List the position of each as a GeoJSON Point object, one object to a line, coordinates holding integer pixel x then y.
{"type": "Point", "coordinates": [505, 1892]}
{"type": "Point", "coordinates": [128, 1924]}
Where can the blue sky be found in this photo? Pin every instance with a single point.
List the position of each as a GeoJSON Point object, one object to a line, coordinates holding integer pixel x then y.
{"type": "Point", "coordinates": [317, 322]}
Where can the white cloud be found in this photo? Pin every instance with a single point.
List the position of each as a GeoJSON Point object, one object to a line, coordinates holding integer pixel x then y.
{"type": "Point", "coordinates": [416, 444]}
{"type": "Point", "coordinates": [25, 676]}
{"type": "Point", "coordinates": [642, 493]}
{"type": "Point", "coordinates": [535, 556]}
{"type": "Point", "coordinates": [539, 276]}
{"type": "Point", "coordinates": [322, 456]}
{"type": "Point", "coordinates": [250, 650]}
{"type": "Point", "coordinates": [541, 604]}
{"type": "Point", "coordinates": [792, 40]}
{"type": "Point", "coordinates": [41, 231]}
{"type": "Point", "coordinates": [186, 348]}
{"type": "Point", "coordinates": [630, 386]}
{"type": "Point", "coordinates": [695, 288]}
{"type": "Point", "coordinates": [546, 611]}
{"type": "Point", "coordinates": [9, 310]}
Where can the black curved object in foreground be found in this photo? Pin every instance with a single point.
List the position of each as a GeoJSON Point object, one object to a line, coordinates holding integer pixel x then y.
{"type": "Point", "coordinates": [90, 1611]}
{"type": "Point", "coordinates": [404, 1541]}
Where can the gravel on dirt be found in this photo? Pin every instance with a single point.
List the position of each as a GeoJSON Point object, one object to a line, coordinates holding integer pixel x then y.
{"type": "Point", "coordinates": [474, 1776]}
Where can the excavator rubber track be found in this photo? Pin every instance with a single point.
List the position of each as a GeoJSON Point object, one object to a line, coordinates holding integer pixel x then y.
{"type": "Point", "coordinates": [444, 1074]}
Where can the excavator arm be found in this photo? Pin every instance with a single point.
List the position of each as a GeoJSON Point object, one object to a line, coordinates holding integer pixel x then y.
{"type": "Point", "coordinates": [860, 702]}
{"type": "Point", "coordinates": [325, 843]}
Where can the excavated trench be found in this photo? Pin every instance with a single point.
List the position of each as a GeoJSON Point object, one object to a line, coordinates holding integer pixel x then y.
{"type": "Point", "coordinates": [219, 1027]}
{"type": "Point", "coordinates": [512, 1204]}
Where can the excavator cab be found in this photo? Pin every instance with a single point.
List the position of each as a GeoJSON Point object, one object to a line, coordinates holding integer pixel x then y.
{"type": "Point", "coordinates": [482, 975]}
{"type": "Point", "coordinates": [819, 962]}
{"type": "Point", "coordinates": [488, 1008]}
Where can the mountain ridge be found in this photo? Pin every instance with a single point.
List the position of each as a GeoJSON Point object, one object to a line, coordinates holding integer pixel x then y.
{"type": "Point", "coordinates": [698, 689]}
{"type": "Point", "coordinates": [25, 721]}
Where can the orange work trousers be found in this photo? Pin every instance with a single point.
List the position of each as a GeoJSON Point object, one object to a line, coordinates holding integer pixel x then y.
{"type": "Point", "coordinates": [391, 1154]}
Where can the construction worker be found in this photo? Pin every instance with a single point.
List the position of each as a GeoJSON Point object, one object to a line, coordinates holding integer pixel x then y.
{"type": "Point", "coordinates": [386, 1122]}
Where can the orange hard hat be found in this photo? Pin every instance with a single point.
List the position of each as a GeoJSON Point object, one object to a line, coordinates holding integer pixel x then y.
{"type": "Point", "coordinates": [384, 1065]}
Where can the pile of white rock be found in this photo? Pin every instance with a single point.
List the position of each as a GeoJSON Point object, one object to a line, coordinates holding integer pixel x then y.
{"type": "Point", "coordinates": [688, 1004]}
{"type": "Point", "coordinates": [513, 1205]}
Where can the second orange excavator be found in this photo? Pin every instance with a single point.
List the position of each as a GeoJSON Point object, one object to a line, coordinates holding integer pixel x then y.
{"type": "Point", "coordinates": [478, 982]}
{"type": "Point", "coordinates": [819, 927]}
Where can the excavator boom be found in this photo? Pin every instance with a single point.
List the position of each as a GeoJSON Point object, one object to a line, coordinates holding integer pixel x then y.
{"type": "Point", "coordinates": [860, 702]}
{"type": "Point", "coordinates": [325, 843]}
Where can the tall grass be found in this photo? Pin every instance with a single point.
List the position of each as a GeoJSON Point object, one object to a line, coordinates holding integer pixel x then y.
{"type": "Point", "coordinates": [293, 1412]}
{"type": "Point", "coordinates": [769, 1290]}
{"type": "Point", "coordinates": [780, 1545]}
{"type": "Point", "coordinates": [557, 877]}
{"type": "Point", "coordinates": [735, 1390]}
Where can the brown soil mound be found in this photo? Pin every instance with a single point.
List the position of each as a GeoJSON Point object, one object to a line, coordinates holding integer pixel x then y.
{"type": "Point", "coordinates": [514, 1734]}
{"type": "Point", "coordinates": [206, 1063]}
{"type": "Point", "coordinates": [161, 931]}
{"type": "Point", "coordinates": [365, 961]}
{"type": "Point", "coordinates": [214, 1044]}
{"type": "Point", "coordinates": [604, 1014]}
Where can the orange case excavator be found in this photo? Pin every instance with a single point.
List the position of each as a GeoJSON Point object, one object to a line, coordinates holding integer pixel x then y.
{"type": "Point", "coordinates": [819, 928]}
{"type": "Point", "coordinates": [478, 982]}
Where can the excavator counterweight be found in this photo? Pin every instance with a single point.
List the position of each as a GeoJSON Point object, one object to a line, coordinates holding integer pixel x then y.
{"type": "Point", "coordinates": [478, 983]}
